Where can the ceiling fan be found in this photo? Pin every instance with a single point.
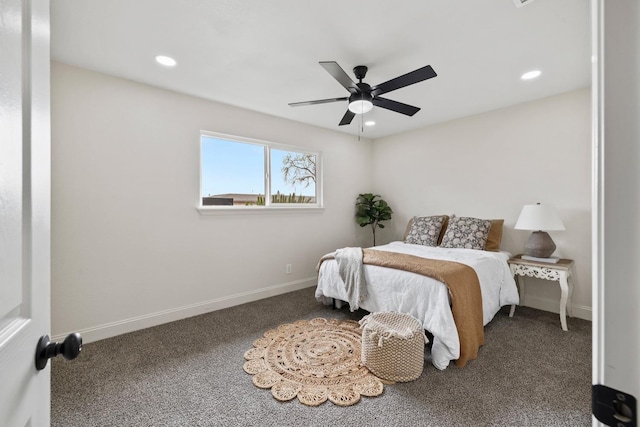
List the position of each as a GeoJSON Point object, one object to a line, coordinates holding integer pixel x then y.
{"type": "Point", "coordinates": [363, 96]}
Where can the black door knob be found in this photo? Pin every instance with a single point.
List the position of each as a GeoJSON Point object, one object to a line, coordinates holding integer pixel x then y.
{"type": "Point", "coordinates": [70, 348]}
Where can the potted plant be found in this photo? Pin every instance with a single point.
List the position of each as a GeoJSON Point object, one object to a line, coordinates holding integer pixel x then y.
{"type": "Point", "coordinates": [371, 209]}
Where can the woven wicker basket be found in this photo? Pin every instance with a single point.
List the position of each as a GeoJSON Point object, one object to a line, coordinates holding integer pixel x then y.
{"type": "Point", "coordinates": [393, 345]}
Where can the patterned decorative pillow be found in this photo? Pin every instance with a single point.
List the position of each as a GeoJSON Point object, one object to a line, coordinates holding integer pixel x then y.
{"type": "Point", "coordinates": [425, 230]}
{"type": "Point", "coordinates": [465, 232]}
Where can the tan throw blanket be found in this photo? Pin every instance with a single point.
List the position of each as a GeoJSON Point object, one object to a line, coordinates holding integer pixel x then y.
{"type": "Point", "coordinates": [464, 289]}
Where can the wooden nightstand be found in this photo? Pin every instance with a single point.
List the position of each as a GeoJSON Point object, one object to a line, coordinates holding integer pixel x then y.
{"type": "Point", "coordinates": [559, 272]}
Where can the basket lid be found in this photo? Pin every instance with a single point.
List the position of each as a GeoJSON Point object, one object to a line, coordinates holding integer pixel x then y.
{"type": "Point", "coordinates": [391, 323]}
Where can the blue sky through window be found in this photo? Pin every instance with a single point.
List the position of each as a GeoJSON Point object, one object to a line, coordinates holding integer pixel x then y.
{"type": "Point", "coordinates": [234, 167]}
{"type": "Point", "coordinates": [230, 167]}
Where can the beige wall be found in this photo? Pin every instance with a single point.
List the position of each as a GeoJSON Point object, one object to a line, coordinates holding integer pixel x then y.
{"type": "Point", "coordinates": [129, 248]}
{"type": "Point", "coordinates": [491, 164]}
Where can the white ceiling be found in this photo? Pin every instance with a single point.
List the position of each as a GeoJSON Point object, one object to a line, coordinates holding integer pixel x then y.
{"type": "Point", "coordinates": [262, 55]}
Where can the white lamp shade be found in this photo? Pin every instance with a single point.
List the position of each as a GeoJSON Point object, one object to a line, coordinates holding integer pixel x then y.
{"type": "Point", "coordinates": [539, 217]}
{"type": "Point", "coordinates": [360, 106]}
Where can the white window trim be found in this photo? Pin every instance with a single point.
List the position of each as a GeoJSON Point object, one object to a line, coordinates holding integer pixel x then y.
{"type": "Point", "coordinates": [280, 207]}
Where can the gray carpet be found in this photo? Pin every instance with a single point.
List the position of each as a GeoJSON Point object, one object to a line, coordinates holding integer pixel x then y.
{"type": "Point", "coordinates": [189, 373]}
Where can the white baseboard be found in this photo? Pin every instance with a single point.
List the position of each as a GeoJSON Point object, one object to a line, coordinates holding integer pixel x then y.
{"type": "Point", "coordinates": [124, 326]}
{"type": "Point", "coordinates": [553, 305]}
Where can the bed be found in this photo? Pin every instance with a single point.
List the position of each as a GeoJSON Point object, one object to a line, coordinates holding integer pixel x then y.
{"type": "Point", "coordinates": [423, 297]}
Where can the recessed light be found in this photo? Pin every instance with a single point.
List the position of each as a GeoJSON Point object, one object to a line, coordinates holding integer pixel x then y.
{"type": "Point", "coordinates": [531, 75]}
{"type": "Point", "coordinates": [167, 61]}
{"type": "Point", "coordinates": [369, 123]}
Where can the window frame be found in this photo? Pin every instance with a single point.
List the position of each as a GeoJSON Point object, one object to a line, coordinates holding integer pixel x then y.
{"type": "Point", "coordinates": [268, 206]}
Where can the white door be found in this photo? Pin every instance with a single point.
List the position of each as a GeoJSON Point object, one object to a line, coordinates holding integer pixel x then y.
{"type": "Point", "coordinates": [616, 207]}
{"type": "Point", "coordinates": [24, 210]}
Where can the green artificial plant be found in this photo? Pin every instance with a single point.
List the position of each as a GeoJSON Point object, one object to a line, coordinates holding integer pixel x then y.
{"type": "Point", "coordinates": [371, 209]}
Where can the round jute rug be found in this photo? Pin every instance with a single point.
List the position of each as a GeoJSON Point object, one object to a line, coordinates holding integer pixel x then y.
{"type": "Point", "coordinates": [315, 360]}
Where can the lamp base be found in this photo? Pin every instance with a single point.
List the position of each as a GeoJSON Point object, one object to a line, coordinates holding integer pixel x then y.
{"type": "Point", "coordinates": [540, 245]}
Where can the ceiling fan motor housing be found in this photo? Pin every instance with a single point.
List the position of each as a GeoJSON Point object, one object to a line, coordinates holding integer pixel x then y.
{"type": "Point", "coordinates": [365, 88]}
{"type": "Point", "coordinates": [363, 96]}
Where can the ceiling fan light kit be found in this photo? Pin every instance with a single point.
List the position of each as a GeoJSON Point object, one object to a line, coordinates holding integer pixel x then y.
{"type": "Point", "coordinates": [363, 97]}
{"type": "Point", "coordinates": [360, 104]}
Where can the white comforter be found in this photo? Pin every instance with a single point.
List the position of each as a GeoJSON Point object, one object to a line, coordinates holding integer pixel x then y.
{"type": "Point", "coordinates": [423, 297]}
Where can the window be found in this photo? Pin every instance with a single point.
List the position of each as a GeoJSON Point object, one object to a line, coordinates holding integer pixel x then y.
{"type": "Point", "coordinates": [245, 173]}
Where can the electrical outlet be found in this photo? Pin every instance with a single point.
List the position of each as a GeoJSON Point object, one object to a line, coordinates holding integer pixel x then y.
{"type": "Point", "coordinates": [289, 268]}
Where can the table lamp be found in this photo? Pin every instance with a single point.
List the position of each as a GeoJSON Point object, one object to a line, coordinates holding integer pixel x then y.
{"type": "Point", "coordinates": [539, 219]}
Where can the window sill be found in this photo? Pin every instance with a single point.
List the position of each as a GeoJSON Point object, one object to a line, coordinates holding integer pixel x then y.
{"type": "Point", "coordinates": [256, 210]}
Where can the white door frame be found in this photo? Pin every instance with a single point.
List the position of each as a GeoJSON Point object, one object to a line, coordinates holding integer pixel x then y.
{"type": "Point", "coordinates": [616, 195]}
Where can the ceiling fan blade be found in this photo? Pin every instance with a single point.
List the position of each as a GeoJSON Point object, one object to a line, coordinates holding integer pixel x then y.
{"type": "Point", "coordinates": [319, 101]}
{"type": "Point", "coordinates": [396, 106]}
{"type": "Point", "coordinates": [340, 75]}
{"type": "Point", "coordinates": [415, 76]}
{"type": "Point", "coordinates": [346, 119]}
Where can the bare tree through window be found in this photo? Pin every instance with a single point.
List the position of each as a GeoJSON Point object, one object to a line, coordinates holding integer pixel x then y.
{"type": "Point", "coordinates": [299, 168]}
